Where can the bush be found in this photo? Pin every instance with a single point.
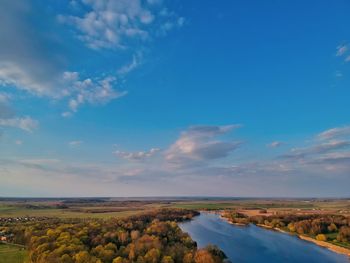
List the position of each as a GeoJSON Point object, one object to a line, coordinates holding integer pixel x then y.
{"type": "Point", "coordinates": [321, 237]}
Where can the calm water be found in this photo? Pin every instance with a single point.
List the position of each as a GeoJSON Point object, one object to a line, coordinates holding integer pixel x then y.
{"type": "Point", "coordinates": [254, 244]}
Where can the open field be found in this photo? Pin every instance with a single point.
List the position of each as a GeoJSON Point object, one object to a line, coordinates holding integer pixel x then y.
{"type": "Point", "coordinates": [12, 254]}
{"type": "Point", "coordinates": [112, 207]}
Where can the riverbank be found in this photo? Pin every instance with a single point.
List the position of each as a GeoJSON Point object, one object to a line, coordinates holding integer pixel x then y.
{"type": "Point", "coordinates": [231, 223]}
{"type": "Point", "coordinates": [273, 228]}
{"type": "Point", "coordinates": [330, 246]}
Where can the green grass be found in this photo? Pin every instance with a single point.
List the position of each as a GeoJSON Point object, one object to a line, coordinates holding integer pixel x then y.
{"type": "Point", "coordinates": [93, 210]}
{"type": "Point", "coordinates": [12, 254]}
{"type": "Point", "coordinates": [15, 211]}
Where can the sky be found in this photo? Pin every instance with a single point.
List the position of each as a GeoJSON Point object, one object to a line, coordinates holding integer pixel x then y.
{"type": "Point", "coordinates": [174, 98]}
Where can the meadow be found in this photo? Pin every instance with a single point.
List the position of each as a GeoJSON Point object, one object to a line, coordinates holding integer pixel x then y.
{"type": "Point", "coordinates": [112, 207]}
{"type": "Point", "coordinates": [12, 253]}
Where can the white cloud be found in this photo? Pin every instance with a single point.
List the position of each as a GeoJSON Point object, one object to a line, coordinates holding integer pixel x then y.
{"type": "Point", "coordinates": [341, 50]}
{"type": "Point", "coordinates": [89, 91]}
{"type": "Point", "coordinates": [27, 64]}
{"type": "Point", "coordinates": [275, 144]}
{"type": "Point", "coordinates": [18, 142]}
{"type": "Point", "coordinates": [22, 78]}
{"type": "Point", "coordinates": [136, 61]}
{"type": "Point", "coordinates": [66, 114]}
{"type": "Point", "coordinates": [137, 156]}
{"type": "Point", "coordinates": [75, 143]}
{"type": "Point", "coordinates": [197, 144]}
{"type": "Point", "coordinates": [114, 24]}
{"type": "Point", "coordinates": [25, 123]}
{"type": "Point", "coordinates": [338, 74]}
{"type": "Point", "coordinates": [39, 163]}
{"type": "Point", "coordinates": [320, 164]}
{"type": "Point", "coordinates": [25, 60]}
{"type": "Point", "coordinates": [8, 117]}
{"type": "Point", "coordinates": [322, 148]}
{"type": "Point", "coordinates": [334, 133]}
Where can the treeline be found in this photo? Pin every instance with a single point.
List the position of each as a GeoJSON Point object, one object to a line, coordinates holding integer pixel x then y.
{"type": "Point", "coordinates": [322, 227]}
{"type": "Point", "coordinates": [148, 238]}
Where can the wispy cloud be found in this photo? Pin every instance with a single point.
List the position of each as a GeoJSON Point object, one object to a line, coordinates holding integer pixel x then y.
{"type": "Point", "coordinates": [112, 24]}
{"type": "Point", "coordinates": [200, 167]}
{"type": "Point", "coordinates": [197, 144]}
{"type": "Point", "coordinates": [322, 148]}
{"type": "Point", "coordinates": [334, 133]}
{"type": "Point", "coordinates": [18, 142]}
{"type": "Point", "coordinates": [343, 52]}
{"type": "Point", "coordinates": [342, 49]}
{"type": "Point", "coordinates": [275, 144]}
{"type": "Point", "coordinates": [75, 143]}
{"type": "Point", "coordinates": [135, 62]}
{"type": "Point", "coordinates": [38, 70]}
{"type": "Point", "coordinates": [8, 118]}
{"type": "Point", "coordinates": [30, 67]}
{"type": "Point", "coordinates": [89, 91]}
{"type": "Point", "coordinates": [137, 156]}
{"type": "Point", "coordinates": [26, 123]}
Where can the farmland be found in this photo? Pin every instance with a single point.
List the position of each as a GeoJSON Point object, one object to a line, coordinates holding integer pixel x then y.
{"type": "Point", "coordinates": [114, 207]}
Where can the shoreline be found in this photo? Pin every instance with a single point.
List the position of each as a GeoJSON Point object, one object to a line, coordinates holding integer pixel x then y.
{"type": "Point", "coordinates": [324, 244]}
{"type": "Point", "coordinates": [231, 223]}
{"type": "Point", "coordinates": [330, 246]}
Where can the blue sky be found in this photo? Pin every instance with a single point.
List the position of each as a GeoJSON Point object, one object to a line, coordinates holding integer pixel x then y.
{"type": "Point", "coordinates": [158, 97]}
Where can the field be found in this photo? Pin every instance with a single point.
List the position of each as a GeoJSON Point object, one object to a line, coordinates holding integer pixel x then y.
{"type": "Point", "coordinates": [12, 254]}
{"type": "Point", "coordinates": [114, 207]}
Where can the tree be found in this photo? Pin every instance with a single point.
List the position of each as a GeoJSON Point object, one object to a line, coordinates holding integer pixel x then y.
{"type": "Point", "coordinates": [66, 259]}
{"type": "Point", "coordinates": [188, 258]}
{"type": "Point", "coordinates": [344, 234]}
{"type": "Point", "coordinates": [203, 256]}
{"type": "Point", "coordinates": [167, 259]}
{"type": "Point", "coordinates": [135, 234]}
{"type": "Point", "coordinates": [152, 256]}
{"type": "Point", "coordinates": [332, 228]}
{"type": "Point", "coordinates": [83, 257]}
{"type": "Point", "coordinates": [119, 260]}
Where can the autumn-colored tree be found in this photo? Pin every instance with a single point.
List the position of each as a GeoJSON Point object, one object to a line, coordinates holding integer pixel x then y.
{"type": "Point", "coordinates": [135, 234]}
{"type": "Point", "coordinates": [84, 257]}
{"type": "Point", "coordinates": [188, 258]}
{"type": "Point", "coordinates": [203, 256]}
{"type": "Point", "coordinates": [152, 256]}
{"type": "Point", "coordinates": [167, 259]}
{"type": "Point", "coordinates": [344, 234]}
{"type": "Point", "coordinates": [332, 227]}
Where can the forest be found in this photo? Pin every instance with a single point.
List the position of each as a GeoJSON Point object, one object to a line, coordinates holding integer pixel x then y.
{"type": "Point", "coordinates": [146, 238]}
{"type": "Point", "coordinates": [322, 227]}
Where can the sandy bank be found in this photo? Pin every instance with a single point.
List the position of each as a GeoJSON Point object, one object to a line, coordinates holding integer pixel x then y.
{"type": "Point", "coordinates": [330, 246]}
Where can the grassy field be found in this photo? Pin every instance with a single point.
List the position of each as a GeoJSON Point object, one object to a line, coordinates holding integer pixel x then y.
{"type": "Point", "coordinates": [112, 208]}
{"type": "Point", "coordinates": [15, 211]}
{"type": "Point", "coordinates": [12, 254]}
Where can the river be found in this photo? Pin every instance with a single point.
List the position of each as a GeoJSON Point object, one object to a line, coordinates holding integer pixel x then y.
{"type": "Point", "coordinates": [251, 244]}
